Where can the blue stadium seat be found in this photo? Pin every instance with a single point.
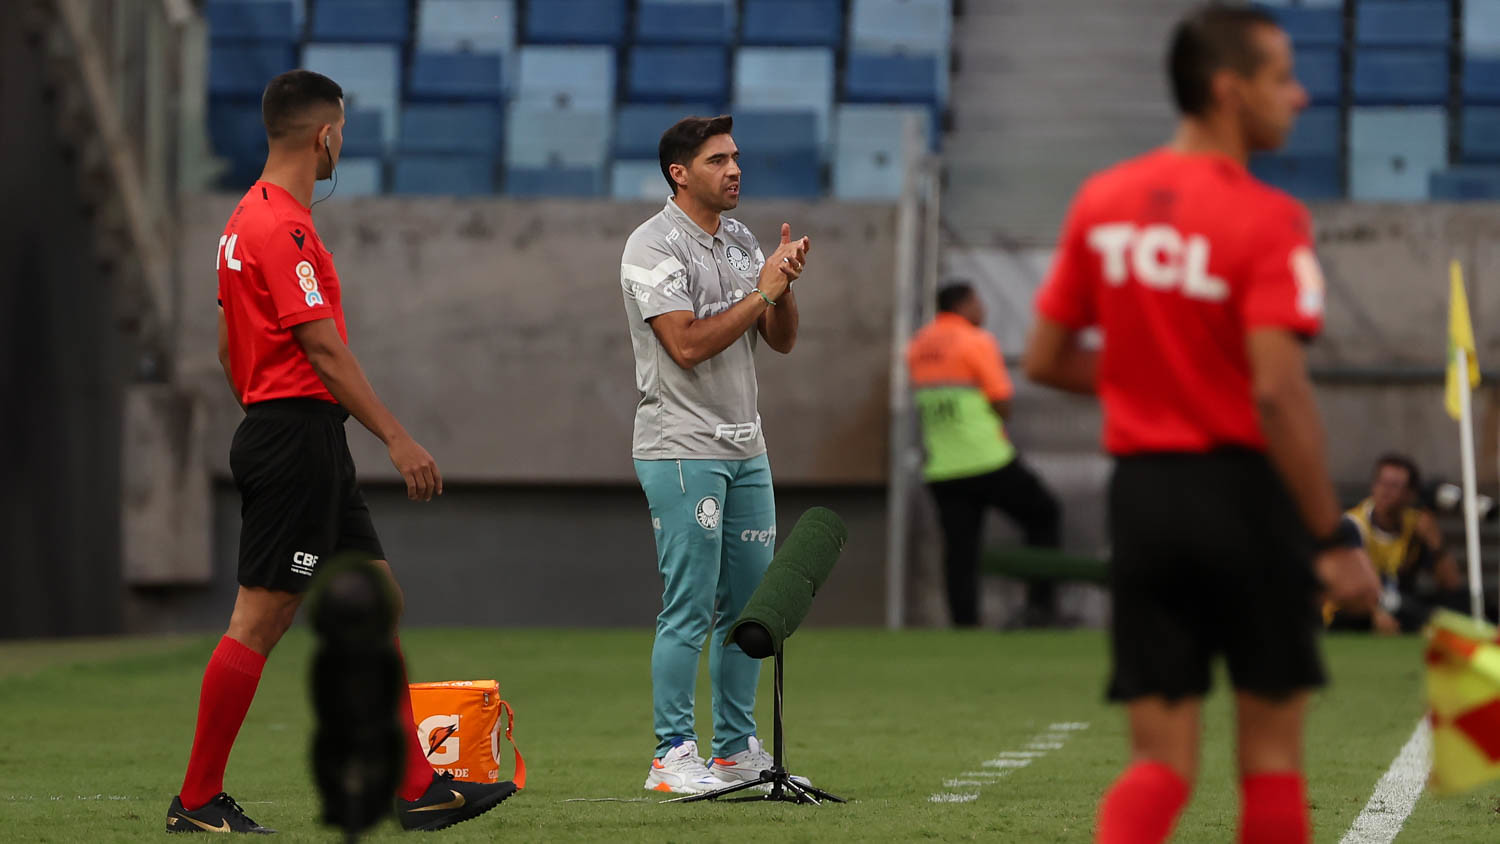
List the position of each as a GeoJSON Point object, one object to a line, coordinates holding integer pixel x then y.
{"type": "Point", "coordinates": [358, 177]}
{"type": "Point", "coordinates": [567, 77]}
{"type": "Point", "coordinates": [457, 129]}
{"type": "Point", "coordinates": [685, 22]}
{"type": "Point", "coordinates": [1400, 77]}
{"type": "Point", "coordinates": [1482, 80]}
{"type": "Point", "coordinates": [787, 78]}
{"type": "Point", "coordinates": [448, 77]}
{"type": "Point", "coordinates": [1309, 177]}
{"type": "Point", "coordinates": [1317, 133]}
{"type": "Point", "coordinates": [893, 77]}
{"type": "Point", "coordinates": [242, 69]}
{"type": "Point", "coordinates": [1319, 72]}
{"type": "Point", "coordinates": [638, 178]}
{"type": "Point", "coordinates": [678, 74]}
{"type": "Point", "coordinates": [237, 134]}
{"type": "Point", "coordinates": [370, 75]}
{"type": "Point", "coordinates": [912, 26]}
{"type": "Point", "coordinates": [767, 131]}
{"type": "Point", "coordinates": [795, 174]}
{"type": "Point", "coordinates": [363, 136]}
{"type": "Point", "coordinates": [1481, 28]}
{"type": "Point", "coordinates": [448, 175]}
{"type": "Point", "coordinates": [638, 126]}
{"type": "Point", "coordinates": [251, 20]}
{"type": "Point", "coordinates": [374, 21]}
{"type": "Point", "coordinates": [868, 158]}
{"type": "Point", "coordinates": [1465, 183]}
{"type": "Point", "coordinates": [575, 21]}
{"type": "Point", "coordinates": [1392, 151]}
{"type": "Point", "coordinates": [1402, 23]}
{"type": "Point", "coordinates": [779, 153]}
{"type": "Point", "coordinates": [541, 138]}
{"type": "Point", "coordinates": [483, 26]}
{"type": "Point", "coordinates": [1481, 135]}
{"type": "Point", "coordinates": [554, 181]}
{"type": "Point", "coordinates": [792, 23]}
{"type": "Point", "coordinates": [1312, 27]}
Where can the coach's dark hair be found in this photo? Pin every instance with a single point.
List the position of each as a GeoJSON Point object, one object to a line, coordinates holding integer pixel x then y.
{"type": "Point", "coordinates": [291, 95]}
{"type": "Point", "coordinates": [1401, 461]}
{"type": "Point", "coordinates": [1209, 39]}
{"type": "Point", "coordinates": [953, 295]}
{"type": "Point", "coordinates": [681, 142]}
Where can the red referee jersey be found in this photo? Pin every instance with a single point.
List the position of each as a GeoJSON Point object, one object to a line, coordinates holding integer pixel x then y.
{"type": "Point", "coordinates": [1177, 258]}
{"type": "Point", "coordinates": [274, 274]}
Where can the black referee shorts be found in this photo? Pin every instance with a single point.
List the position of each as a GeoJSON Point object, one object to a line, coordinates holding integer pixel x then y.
{"type": "Point", "coordinates": [1210, 557]}
{"type": "Point", "coordinates": [299, 500]}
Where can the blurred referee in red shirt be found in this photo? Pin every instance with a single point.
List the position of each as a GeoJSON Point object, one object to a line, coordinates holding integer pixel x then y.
{"type": "Point", "coordinates": [283, 346]}
{"type": "Point", "coordinates": [1223, 518]}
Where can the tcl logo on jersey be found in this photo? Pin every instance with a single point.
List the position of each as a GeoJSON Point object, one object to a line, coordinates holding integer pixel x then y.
{"type": "Point", "coordinates": [1159, 257]}
{"type": "Point", "coordinates": [227, 242]}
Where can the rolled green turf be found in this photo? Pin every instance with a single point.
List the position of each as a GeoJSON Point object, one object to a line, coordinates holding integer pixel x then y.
{"type": "Point", "coordinates": [796, 574]}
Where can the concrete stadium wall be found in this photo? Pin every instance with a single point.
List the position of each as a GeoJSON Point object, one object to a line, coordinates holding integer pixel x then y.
{"type": "Point", "coordinates": [495, 330]}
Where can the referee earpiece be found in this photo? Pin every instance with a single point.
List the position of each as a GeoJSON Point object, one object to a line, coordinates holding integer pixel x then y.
{"type": "Point", "coordinates": [333, 170]}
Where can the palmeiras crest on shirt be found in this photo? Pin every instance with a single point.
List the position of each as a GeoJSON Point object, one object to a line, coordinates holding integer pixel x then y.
{"type": "Point", "coordinates": [738, 258]}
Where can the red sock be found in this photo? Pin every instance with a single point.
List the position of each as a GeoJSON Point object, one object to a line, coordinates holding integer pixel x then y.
{"type": "Point", "coordinates": [1142, 806]}
{"type": "Point", "coordinates": [1274, 809]}
{"type": "Point", "coordinates": [418, 770]}
{"type": "Point", "coordinates": [228, 687]}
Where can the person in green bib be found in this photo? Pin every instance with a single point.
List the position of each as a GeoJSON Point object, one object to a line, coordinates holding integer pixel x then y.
{"type": "Point", "coordinates": [963, 395]}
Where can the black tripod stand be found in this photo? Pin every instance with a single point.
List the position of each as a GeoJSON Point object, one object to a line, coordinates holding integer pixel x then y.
{"type": "Point", "coordinates": [784, 788]}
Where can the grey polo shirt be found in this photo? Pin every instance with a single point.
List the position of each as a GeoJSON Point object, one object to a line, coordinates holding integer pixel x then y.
{"type": "Point", "coordinates": [710, 411]}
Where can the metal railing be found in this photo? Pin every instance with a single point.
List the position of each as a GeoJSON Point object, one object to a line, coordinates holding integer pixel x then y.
{"type": "Point", "coordinates": [913, 301]}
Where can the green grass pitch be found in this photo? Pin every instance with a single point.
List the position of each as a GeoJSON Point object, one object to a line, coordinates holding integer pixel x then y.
{"type": "Point", "coordinates": [94, 737]}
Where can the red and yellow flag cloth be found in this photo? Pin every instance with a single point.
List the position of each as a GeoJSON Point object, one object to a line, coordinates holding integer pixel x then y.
{"type": "Point", "coordinates": [1463, 698]}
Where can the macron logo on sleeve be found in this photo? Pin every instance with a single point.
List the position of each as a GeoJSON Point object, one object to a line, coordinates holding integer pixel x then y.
{"type": "Point", "coordinates": [298, 236]}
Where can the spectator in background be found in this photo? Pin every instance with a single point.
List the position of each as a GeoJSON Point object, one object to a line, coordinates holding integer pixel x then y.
{"type": "Point", "coordinates": [1403, 541]}
{"type": "Point", "coordinates": [963, 395]}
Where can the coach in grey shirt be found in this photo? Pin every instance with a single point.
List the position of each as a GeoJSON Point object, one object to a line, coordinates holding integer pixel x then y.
{"type": "Point", "coordinates": [700, 296]}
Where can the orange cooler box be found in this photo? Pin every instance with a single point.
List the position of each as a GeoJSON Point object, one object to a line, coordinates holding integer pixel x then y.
{"type": "Point", "coordinates": [460, 723]}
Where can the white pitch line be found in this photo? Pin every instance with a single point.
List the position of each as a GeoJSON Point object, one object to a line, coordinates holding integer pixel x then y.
{"type": "Point", "coordinates": [1008, 762]}
{"type": "Point", "coordinates": [1396, 793]}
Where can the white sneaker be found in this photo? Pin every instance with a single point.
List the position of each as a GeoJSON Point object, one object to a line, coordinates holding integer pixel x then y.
{"type": "Point", "coordinates": [681, 772]}
{"type": "Point", "coordinates": [746, 766]}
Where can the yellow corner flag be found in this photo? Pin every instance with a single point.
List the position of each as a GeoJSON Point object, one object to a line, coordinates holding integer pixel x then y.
{"type": "Point", "coordinates": [1463, 698]}
{"type": "Point", "coordinates": [1460, 336]}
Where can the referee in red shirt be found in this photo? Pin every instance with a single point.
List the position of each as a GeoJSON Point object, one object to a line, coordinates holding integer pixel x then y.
{"type": "Point", "coordinates": [282, 343]}
{"type": "Point", "coordinates": [1223, 519]}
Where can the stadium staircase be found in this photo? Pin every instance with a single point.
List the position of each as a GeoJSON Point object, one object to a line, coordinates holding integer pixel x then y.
{"type": "Point", "coordinates": [1042, 95]}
